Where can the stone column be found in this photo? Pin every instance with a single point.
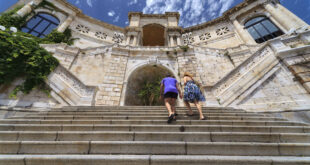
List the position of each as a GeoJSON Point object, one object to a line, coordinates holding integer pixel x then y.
{"type": "Point", "coordinates": [178, 41]}
{"type": "Point", "coordinates": [134, 43]}
{"type": "Point", "coordinates": [65, 24]}
{"type": "Point", "coordinates": [286, 18]}
{"type": "Point", "coordinates": [171, 41]}
{"type": "Point", "coordinates": [243, 33]}
{"type": "Point", "coordinates": [28, 8]}
{"type": "Point", "coordinates": [128, 40]}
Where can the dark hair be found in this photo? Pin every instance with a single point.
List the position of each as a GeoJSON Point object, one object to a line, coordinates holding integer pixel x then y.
{"type": "Point", "coordinates": [168, 75]}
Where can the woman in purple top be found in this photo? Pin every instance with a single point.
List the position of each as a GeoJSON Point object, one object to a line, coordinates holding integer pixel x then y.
{"type": "Point", "coordinates": [169, 90]}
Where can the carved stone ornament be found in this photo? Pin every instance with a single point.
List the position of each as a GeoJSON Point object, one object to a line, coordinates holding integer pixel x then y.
{"type": "Point", "coordinates": [82, 28]}
{"type": "Point", "coordinates": [222, 31]}
{"type": "Point", "coordinates": [118, 37]}
{"type": "Point", "coordinates": [187, 38]}
{"type": "Point", "coordinates": [101, 35]}
{"type": "Point", "coordinates": [205, 36]}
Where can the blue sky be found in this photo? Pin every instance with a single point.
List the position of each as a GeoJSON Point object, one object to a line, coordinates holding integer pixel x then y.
{"type": "Point", "coordinates": [192, 11]}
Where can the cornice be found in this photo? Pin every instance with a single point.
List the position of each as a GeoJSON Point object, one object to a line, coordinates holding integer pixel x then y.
{"type": "Point", "coordinates": [166, 15]}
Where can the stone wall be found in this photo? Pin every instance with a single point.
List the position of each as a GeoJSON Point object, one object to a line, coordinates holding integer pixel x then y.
{"type": "Point", "coordinates": [35, 98]}
{"type": "Point", "coordinates": [110, 88]}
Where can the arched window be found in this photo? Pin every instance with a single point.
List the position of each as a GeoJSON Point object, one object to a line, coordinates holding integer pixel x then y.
{"type": "Point", "coordinates": [41, 25]}
{"type": "Point", "coordinates": [262, 29]}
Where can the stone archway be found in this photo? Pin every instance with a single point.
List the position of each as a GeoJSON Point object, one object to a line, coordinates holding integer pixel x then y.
{"type": "Point", "coordinates": [138, 79]}
{"type": "Point", "coordinates": [153, 35]}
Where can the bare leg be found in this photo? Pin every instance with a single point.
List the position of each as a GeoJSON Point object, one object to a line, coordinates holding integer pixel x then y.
{"type": "Point", "coordinates": [199, 110]}
{"type": "Point", "coordinates": [168, 106]}
{"type": "Point", "coordinates": [172, 103]}
{"type": "Point", "coordinates": [189, 108]}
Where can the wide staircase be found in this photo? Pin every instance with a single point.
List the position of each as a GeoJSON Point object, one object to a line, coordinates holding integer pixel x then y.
{"type": "Point", "coordinates": [141, 135]}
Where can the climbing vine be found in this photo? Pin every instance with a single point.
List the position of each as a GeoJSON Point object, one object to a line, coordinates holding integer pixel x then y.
{"type": "Point", "coordinates": [21, 55]}
{"type": "Point", "coordinates": [8, 19]}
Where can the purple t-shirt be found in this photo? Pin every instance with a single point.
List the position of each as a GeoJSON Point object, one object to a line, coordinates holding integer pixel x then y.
{"type": "Point", "coordinates": [170, 85]}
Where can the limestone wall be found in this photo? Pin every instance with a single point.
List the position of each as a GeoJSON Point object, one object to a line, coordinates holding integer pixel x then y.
{"type": "Point", "coordinates": [213, 65]}
{"type": "Point", "coordinates": [110, 88]}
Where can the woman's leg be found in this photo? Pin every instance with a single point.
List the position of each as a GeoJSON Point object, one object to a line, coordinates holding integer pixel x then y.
{"type": "Point", "coordinates": [188, 107]}
{"type": "Point", "coordinates": [199, 110]}
{"type": "Point", "coordinates": [168, 106]}
{"type": "Point", "coordinates": [172, 103]}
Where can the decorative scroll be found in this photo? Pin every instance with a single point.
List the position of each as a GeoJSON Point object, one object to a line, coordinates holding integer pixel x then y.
{"type": "Point", "coordinates": [187, 38]}
{"type": "Point", "coordinates": [222, 31]}
{"type": "Point", "coordinates": [205, 36]}
{"type": "Point", "coordinates": [118, 37]}
{"type": "Point", "coordinates": [101, 35]}
{"type": "Point", "coordinates": [82, 28]}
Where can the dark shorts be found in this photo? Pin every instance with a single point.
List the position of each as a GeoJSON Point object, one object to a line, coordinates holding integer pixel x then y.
{"type": "Point", "coordinates": [171, 95]}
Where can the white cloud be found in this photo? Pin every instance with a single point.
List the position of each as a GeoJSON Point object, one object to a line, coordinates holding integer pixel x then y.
{"type": "Point", "coordinates": [89, 3]}
{"type": "Point", "coordinates": [116, 19]}
{"type": "Point", "coordinates": [111, 13]}
{"type": "Point", "coordinates": [192, 11]}
{"type": "Point", "coordinates": [132, 2]}
{"type": "Point", "coordinates": [77, 2]}
{"type": "Point", "coordinates": [126, 22]}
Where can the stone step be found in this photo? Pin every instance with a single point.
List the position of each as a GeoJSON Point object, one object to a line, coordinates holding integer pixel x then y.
{"type": "Point", "coordinates": [138, 114]}
{"type": "Point", "coordinates": [150, 111]}
{"type": "Point", "coordinates": [155, 136]}
{"type": "Point", "coordinates": [149, 160]}
{"type": "Point", "coordinates": [79, 117]}
{"type": "Point", "coordinates": [155, 148]}
{"type": "Point", "coordinates": [94, 108]}
{"type": "Point", "coordinates": [155, 122]}
{"type": "Point", "coordinates": [154, 128]}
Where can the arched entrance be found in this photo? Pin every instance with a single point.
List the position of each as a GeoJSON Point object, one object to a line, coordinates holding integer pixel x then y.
{"type": "Point", "coordinates": [153, 35]}
{"type": "Point", "coordinates": [143, 85]}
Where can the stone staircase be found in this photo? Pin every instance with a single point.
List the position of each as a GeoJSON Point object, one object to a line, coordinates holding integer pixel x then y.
{"type": "Point", "coordinates": [141, 135]}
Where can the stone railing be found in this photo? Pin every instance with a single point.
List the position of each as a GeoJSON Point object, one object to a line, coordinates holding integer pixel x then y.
{"type": "Point", "coordinates": [70, 89]}
{"type": "Point", "coordinates": [255, 67]}
{"type": "Point", "coordinates": [239, 71]}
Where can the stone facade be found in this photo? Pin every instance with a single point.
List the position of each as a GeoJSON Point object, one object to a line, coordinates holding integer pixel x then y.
{"type": "Point", "coordinates": [233, 69]}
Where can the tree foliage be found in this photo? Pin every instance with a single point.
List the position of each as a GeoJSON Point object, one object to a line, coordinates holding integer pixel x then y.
{"type": "Point", "coordinates": [150, 92]}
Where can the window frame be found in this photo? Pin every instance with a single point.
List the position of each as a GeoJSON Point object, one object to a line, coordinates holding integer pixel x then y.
{"type": "Point", "coordinates": [42, 18]}
{"type": "Point", "coordinates": [263, 38]}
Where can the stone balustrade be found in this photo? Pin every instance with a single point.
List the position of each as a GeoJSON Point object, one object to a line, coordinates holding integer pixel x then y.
{"type": "Point", "coordinates": [70, 88]}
